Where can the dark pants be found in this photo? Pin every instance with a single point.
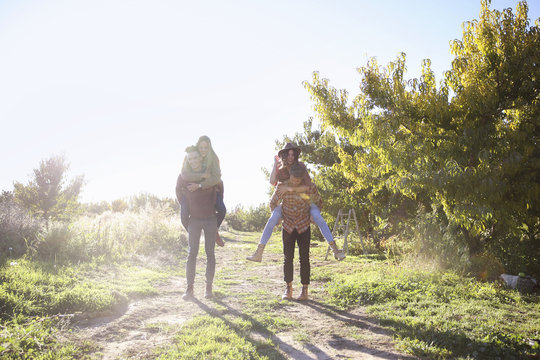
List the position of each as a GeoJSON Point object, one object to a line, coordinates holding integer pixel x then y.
{"type": "Point", "coordinates": [196, 226]}
{"type": "Point", "coordinates": [289, 243]}
{"type": "Point", "coordinates": [220, 210]}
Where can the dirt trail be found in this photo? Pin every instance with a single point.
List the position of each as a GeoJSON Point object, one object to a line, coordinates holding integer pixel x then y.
{"type": "Point", "coordinates": [326, 333]}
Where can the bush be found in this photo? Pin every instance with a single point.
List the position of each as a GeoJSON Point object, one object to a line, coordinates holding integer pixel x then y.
{"type": "Point", "coordinates": [17, 229]}
{"type": "Point", "coordinates": [437, 243]}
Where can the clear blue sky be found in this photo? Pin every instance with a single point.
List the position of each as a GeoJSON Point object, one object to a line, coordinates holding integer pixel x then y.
{"type": "Point", "coordinates": [122, 87]}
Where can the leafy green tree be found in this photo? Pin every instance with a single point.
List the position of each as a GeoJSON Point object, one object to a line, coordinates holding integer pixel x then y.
{"type": "Point", "coordinates": [49, 194]}
{"type": "Point", "coordinates": [466, 147]}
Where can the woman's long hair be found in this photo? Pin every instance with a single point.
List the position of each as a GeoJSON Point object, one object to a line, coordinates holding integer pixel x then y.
{"type": "Point", "coordinates": [210, 148]}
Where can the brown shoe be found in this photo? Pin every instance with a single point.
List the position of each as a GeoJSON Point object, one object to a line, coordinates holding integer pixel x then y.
{"type": "Point", "coordinates": [287, 295]}
{"type": "Point", "coordinates": [257, 255]}
{"type": "Point", "coordinates": [219, 240]}
{"type": "Point", "coordinates": [338, 254]}
{"type": "Point", "coordinates": [304, 295]}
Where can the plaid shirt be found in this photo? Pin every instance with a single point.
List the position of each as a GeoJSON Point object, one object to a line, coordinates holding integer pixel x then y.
{"type": "Point", "coordinates": [295, 208]}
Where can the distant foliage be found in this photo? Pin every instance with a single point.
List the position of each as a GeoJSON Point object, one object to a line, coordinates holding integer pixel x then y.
{"type": "Point", "coordinates": [119, 205]}
{"type": "Point", "coordinates": [96, 208]}
{"type": "Point", "coordinates": [142, 201]}
{"type": "Point", "coordinates": [252, 219]}
{"type": "Point", "coordinates": [467, 148]}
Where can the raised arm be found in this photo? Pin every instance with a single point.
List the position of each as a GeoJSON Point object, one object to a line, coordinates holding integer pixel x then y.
{"type": "Point", "coordinates": [273, 174]}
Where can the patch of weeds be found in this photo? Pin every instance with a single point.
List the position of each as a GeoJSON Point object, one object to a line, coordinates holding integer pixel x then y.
{"type": "Point", "coordinates": [206, 337]}
{"type": "Point", "coordinates": [301, 337]}
{"type": "Point", "coordinates": [38, 338]}
{"type": "Point", "coordinates": [273, 322]}
{"type": "Point", "coordinates": [161, 327]}
{"type": "Point", "coordinates": [260, 301]}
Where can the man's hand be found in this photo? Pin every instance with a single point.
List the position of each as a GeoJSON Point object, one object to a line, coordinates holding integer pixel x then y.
{"type": "Point", "coordinates": [193, 187]}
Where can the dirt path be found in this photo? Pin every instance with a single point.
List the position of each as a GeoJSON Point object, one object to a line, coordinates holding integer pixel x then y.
{"type": "Point", "coordinates": [321, 331]}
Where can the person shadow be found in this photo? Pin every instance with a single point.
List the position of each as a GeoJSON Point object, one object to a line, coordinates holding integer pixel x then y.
{"type": "Point", "coordinates": [262, 346]}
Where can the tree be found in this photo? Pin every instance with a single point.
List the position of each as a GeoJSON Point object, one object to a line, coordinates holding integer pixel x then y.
{"type": "Point", "coordinates": [467, 148]}
{"type": "Point", "coordinates": [48, 194]}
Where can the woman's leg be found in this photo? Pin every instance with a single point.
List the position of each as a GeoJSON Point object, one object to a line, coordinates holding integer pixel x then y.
{"type": "Point", "coordinates": [184, 212]}
{"type": "Point", "coordinates": [319, 220]}
{"type": "Point", "coordinates": [220, 208]}
{"type": "Point", "coordinates": [270, 224]}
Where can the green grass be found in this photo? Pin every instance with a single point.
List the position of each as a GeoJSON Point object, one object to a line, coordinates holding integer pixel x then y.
{"type": "Point", "coordinates": [32, 293]}
{"type": "Point", "coordinates": [438, 314]}
{"type": "Point", "coordinates": [40, 289]}
{"type": "Point", "coordinates": [37, 338]}
{"type": "Point", "coordinates": [211, 337]}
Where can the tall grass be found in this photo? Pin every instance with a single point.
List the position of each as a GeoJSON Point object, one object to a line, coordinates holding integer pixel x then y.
{"type": "Point", "coordinates": [113, 236]}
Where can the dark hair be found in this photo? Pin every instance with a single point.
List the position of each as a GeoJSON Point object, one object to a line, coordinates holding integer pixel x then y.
{"type": "Point", "coordinates": [285, 155]}
{"type": "Point", "coordinates": [297, 170]}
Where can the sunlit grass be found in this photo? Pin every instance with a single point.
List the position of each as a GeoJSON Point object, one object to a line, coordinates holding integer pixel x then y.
{"type": "Point", "coordinates": [437, 314]}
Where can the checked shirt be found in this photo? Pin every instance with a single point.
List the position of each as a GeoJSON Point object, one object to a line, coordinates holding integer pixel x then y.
{"type": "Point", "coordinates": [295, 208]}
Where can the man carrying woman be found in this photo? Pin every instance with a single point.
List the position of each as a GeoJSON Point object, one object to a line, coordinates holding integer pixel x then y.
{"type": "Point", "coordinates": [287, 157]}
{"type": "Point", "coordinates": [199, 190]}
{"type": "Point", "coordinates": [208, 177]}
{"type": "Point", "coordinates": [296, 228]}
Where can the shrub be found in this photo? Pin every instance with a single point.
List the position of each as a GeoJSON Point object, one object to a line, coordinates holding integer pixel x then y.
{"type": "Point", "coordinates": [252, 219]}
{"type": "Point", "coordinates": [17, 228]}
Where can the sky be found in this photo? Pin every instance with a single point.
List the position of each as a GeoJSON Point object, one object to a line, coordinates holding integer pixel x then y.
{"type": "Point", "coordinates": [121, 88]}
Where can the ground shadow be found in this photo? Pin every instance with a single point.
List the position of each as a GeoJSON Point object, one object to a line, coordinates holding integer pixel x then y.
{"type": "Point", "coordinates": [357, 321]}
{"type": "Point", "coordinates": [261, 329]}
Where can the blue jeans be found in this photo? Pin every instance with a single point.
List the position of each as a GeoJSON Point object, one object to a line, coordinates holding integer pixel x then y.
{"type": "Point", "coordinates": [194, 236]}
{"type": "Point", "coordinates": [277, 215]}
{"type": "Point", "coordinates": [220, 210]}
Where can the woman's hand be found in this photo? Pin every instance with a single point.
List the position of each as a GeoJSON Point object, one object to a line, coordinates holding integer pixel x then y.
{"type": "Point", "coordinates": [193, 187]}
{"type": "Point", "coordinates": [277, 161]}
{"type": "Point", "coordinates": [282, 189]}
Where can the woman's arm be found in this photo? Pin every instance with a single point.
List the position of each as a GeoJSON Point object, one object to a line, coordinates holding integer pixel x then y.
{"type": "Point", "coordinates": [213, 174]}
{"type": "Point", "coordinates": [273, 174]}
{"type": "Point", "coordinates": [282, 188]}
